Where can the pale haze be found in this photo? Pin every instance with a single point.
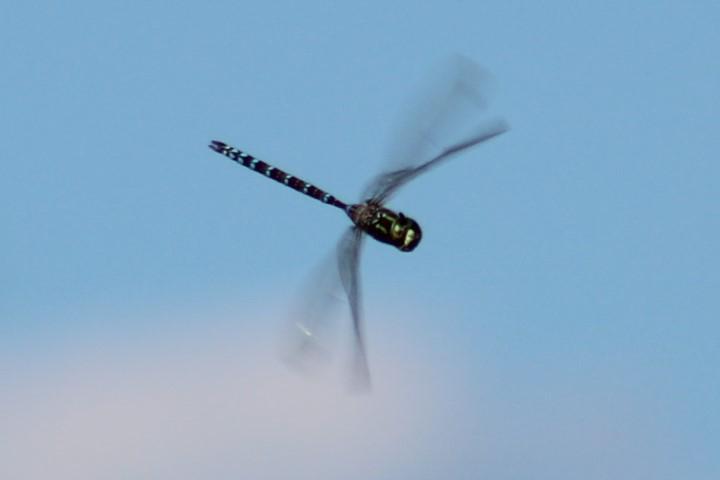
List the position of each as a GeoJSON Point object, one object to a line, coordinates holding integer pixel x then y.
{"type": "Point", "coordinates": [559, 319]}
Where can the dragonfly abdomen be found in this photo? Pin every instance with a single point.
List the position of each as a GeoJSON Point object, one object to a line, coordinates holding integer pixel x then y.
{"type": "Point", "coordinates": [263, 168]}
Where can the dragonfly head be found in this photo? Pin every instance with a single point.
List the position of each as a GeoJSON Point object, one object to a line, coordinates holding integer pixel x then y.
{"type": "Point", "coordinates": [406, 233]}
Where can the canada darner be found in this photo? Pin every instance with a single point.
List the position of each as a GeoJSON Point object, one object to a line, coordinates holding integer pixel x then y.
{"type": "Point", "coordinates": [370, 216]}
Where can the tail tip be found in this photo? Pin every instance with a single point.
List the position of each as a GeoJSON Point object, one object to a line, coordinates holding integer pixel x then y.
{"type": "Point", "coordinates": [218, 146]}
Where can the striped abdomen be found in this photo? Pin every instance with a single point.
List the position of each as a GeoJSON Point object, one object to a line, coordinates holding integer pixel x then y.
{"type": "Point", "coordinates": [247, 160]}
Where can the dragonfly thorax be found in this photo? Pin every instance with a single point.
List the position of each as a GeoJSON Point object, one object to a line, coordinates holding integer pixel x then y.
{"type": "Point", "coordinates": [386, 226]}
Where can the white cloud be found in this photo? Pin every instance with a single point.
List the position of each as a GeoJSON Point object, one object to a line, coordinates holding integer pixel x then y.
{"type": "Point", "coordinates": [215, 402]}
{"type": "Point", "coordinates": [213, 405]}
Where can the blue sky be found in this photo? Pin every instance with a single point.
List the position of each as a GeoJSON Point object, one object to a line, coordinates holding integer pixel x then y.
{"type": "Point", "coordinates": [559, 319]}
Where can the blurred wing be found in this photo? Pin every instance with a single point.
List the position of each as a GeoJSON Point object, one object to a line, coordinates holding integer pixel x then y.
{"type": "Point", "coordinates": [385, 185]}
{"type": "Point", "coordinates": [312, 336]}
{"type": "Point", "coordinates": [441, 116]}
{"type": "Point", "coordinates": [349, 267]}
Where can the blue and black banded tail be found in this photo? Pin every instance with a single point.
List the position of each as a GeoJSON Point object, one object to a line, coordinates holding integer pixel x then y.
{"type": "Point", "coordinates": [247, 160]}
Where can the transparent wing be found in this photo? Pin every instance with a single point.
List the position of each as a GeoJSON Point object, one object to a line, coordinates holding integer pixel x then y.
{"type": "Point", "coordinates": [308, 341]}
{"type": "Point", "coordinates": [312, 336]}
{"type": "Point", "coordinates": [385, 185]}
{"type": "Point", "coordinates": [349, 250]}
{"type": "Point", "coordinates": [445, 122]}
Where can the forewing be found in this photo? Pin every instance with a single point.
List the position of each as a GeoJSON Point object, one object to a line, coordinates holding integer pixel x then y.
{"type": "Point", "coordinates": [448, 118]}
{"type": "Point", "coordinates": [387, 184]}
{"type": "Point", "coordinates": [349, 250]}
{"type": "Point", "coordinates": [313, 332]}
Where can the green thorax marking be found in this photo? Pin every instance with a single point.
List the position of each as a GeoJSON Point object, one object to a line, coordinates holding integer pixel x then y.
{"type": "Point", "coordinates": [387, 226]}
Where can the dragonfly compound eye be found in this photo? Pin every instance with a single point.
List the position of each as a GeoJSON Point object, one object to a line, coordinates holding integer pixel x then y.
{"type": "Point", "coordinates": [413, 235]}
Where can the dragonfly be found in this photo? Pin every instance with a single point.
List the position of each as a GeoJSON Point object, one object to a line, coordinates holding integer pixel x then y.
{"type": "Point", "coordinates": [369, 217]}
